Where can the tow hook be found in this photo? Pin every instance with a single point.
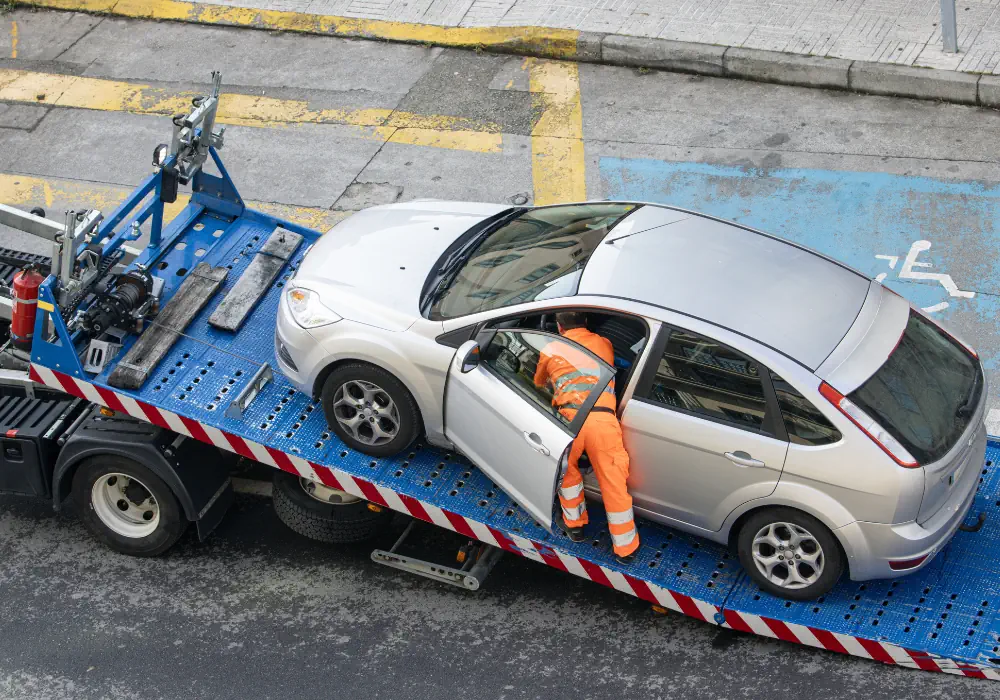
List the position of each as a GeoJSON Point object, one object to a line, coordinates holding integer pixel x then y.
{"type": "Point", "coordinates": [980, 521]}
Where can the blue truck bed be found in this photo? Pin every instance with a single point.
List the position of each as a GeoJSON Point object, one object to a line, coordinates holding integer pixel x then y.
{"type": "Point", "coordinates": [944, 618]}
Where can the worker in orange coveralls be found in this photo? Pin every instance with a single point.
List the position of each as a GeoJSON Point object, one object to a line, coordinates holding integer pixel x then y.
{"type": "Point", "coordinates": [600, 436]}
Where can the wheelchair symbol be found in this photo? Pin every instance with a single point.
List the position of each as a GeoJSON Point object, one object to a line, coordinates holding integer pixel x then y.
{"type": "Point", "coordinates": [907, 272]}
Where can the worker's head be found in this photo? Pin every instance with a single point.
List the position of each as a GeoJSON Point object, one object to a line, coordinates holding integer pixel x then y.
{"type": "Point", "coordinates": [568, 320]}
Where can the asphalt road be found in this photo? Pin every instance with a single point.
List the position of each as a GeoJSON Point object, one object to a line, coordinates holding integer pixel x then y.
{"type": "Point", "coordinates": [258, 612]}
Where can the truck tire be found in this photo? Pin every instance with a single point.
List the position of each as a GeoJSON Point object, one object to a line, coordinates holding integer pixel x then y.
{"type": "Point", "coordinates": [370, 410]}
{"type": "Point", "coordinates": [790, 554]}
{"type": "Point", "coordinates": [336, 523]}
{"type": "Point", "coordinates": [127, 507]}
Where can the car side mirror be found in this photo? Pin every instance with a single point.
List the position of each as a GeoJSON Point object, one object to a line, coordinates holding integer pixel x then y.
{"type": "Point", "coordinates": [470, 354]}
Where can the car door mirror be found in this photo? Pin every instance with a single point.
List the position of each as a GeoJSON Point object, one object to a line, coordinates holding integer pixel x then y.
{"type": "Point", "coordinates": [470, 355]}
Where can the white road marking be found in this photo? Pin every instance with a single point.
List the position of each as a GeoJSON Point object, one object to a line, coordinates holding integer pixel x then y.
{"type": "Point", "coordinates": [945, 280]}
{"type": "Point", "coordinates": [893, 259]}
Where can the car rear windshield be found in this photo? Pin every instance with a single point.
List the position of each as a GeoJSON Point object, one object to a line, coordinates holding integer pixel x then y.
{"type": "Point", "coordinates": [538, 255]}
{"type": "Point", "coordinates": [926, 392]}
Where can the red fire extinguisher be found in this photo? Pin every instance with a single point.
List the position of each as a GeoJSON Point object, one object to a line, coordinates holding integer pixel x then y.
{"type": "Point", "coordinates": [22, 323]}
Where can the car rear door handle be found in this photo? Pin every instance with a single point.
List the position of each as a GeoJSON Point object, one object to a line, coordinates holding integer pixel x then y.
{"type": "Point", "coordinates": [742, 459]}
{"type": "Point", "coordinates": [536, 443]}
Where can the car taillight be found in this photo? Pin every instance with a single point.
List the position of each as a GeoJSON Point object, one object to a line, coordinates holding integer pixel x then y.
{"type": "Point", "coordinates": [869, 427]}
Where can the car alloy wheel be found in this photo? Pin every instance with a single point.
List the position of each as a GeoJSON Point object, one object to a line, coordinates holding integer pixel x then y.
{"type": "Point", "coordinates": [366, 412]}
{"type": "Point", "coordinates": [788, 555]}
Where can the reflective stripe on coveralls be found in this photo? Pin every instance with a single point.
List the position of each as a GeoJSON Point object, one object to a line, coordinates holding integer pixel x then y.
{"type": "Point", "coordinates": [600, 435]}
{"type": "Point", "coordinates": [573, 503]}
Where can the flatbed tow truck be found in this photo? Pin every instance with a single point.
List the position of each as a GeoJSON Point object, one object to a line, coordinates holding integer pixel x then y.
{"type": "Point", "coordinates": [202, 387]}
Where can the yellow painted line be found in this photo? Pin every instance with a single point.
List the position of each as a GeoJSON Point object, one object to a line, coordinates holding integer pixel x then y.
{"type": "Point", "coordinates": [553, 43]}
{"type": "Point", "coordinates": [13, 39]}
{"type": "Point", "coordinates": [248, 110]}
{"type": "Point", "coordinates": [45, 306]}
{"type": "Point", "coordinates": [558, 166]}
{"type": "Point", "coordinates": [27, 190]}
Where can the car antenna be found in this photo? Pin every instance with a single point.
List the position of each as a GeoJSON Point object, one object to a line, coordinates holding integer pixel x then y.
{"type": "Point", "coordinates": [634, 233]}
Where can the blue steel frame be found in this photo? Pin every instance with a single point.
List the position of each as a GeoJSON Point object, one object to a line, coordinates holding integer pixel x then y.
{"type": "Point", "coordinates": [216, 194]}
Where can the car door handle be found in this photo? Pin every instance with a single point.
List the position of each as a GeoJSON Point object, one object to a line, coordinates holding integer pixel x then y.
{"type": "Point", "coordinates": [742, 459]}
{"type": "Point", "coordinates": [536, 443]}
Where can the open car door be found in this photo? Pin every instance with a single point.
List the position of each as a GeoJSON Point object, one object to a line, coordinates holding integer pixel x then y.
{"type": "Point", "coordinates": [506, 424]}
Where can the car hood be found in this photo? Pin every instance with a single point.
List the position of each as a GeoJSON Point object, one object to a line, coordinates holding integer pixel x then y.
{"type": "Point", "coordinates": [371, 267]}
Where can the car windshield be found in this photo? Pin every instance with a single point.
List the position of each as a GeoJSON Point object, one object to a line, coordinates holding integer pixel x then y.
{"type": "Point", "coordinates": [539, 254]}
{"type": "Point", "coordinates": [926, 392]}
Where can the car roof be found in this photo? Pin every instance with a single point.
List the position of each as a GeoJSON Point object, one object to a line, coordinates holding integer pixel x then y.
{"type": "Point", "coordinates": [783, 295]}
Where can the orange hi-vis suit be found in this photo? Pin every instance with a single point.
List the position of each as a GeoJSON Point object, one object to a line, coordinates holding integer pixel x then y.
{"type": "Point", "coordinates": [600, 436]}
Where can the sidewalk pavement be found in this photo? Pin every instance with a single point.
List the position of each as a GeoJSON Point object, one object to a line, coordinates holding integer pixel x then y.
{"type": "Point", "coordinates": [889, 47]}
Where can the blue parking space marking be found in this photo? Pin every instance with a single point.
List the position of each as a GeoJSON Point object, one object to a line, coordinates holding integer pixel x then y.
{"type": "Point", "coordinates": [933, 241]}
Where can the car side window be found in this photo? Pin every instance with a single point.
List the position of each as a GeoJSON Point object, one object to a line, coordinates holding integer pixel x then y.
{"type": "Point", "coordinates": [556, 375]}
{"type": "Point", "coordinates": [804, 423]}
{"type": "Point", "coordinates": [699, 375]}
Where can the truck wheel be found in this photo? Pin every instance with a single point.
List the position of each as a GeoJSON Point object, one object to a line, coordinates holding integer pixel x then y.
{"type": "Point", "coordinates": [324, 514]}
{"type": "Point", "coordinates": [370, 410]}
{"type": "Point", "coordinates": [127, 507]}
{"type": "Point", "coordinates": [790, 554]}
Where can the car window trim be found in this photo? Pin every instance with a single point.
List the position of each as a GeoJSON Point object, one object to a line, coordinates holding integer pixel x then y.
{"type": "Point", "coordinates": [482, 330]}
{"type": "Point", "coordinates": [772, 425]}
{"type": "Point", "coordinates": [573, 428]}
{"type": "Point", "coordinates": [814, 406]}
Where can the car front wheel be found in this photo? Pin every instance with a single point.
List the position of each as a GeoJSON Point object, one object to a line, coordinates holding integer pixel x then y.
{"type": "Point", "coordinates": [790, 554]}
{"type": "Point", "coordinates": [370, 410]}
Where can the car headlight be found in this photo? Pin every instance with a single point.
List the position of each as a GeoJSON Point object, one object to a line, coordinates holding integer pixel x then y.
{"type": "Point", "coordinates": [307, 310]}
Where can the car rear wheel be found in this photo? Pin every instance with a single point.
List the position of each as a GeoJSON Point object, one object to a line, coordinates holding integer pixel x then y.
{"type": "Point", "coordinates": [370, 410]}
{"type": "Point", "coordinates": [790, 554]}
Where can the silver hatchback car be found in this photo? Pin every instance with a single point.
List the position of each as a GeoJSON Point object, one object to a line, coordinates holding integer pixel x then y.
{"type": "Point", "coordinates": [771, 398]}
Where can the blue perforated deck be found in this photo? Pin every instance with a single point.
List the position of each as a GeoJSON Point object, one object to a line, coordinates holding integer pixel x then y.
{"type": "Point", "coordinates": [950, 608]}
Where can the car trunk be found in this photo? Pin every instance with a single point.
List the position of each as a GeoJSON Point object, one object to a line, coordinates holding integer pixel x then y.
{"type": "Point", "coordinates": [929, 394]}
{"type": "Point", "coordinates": [957, 472]}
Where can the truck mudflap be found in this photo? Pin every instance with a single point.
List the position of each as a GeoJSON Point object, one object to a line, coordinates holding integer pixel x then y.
{"type": "Point", "coordinates": [944, 618]}
{"type": "Point", "coordinates": [192, 469]}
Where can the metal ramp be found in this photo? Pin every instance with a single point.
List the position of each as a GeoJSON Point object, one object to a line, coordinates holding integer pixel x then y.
{"type": "Point", "coordinates": [944, 618]}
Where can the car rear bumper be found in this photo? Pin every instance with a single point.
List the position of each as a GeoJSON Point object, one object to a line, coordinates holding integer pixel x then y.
{"type": "Point", "coordinates": [871, 547]}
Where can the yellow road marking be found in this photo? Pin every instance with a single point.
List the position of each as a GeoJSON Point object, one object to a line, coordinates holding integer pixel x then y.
{"type": "Point", "coordinates": [27, 190]}
{"type": "Point", "coordinates": [13, 39]}
{"type": "Point", "coordinates": [557, 156]}
{"type": "Point", "coordinates": [249, 110]}
{"type": "Point", "coordinates": [554, 43]}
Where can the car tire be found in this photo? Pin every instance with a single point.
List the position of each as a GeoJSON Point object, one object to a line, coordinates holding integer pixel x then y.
{"type": "Point", "coordinates": [762, 543]}
{"type": "Point", "coordinates": [383, 401]}
{"type": "Point", "coordinates": [127, 507]}
{"type": "Point", "coordinates": [310, 517]}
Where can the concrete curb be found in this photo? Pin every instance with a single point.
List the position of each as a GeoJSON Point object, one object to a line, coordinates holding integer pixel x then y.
{"type": "Point", "coordinates": [608, 49]}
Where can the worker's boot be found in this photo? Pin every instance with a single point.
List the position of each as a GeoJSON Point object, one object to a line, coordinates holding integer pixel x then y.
{"type": "Point", "coordinates": [627, 560]}
{"type": "Point", "coordinates": [574, 533]}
